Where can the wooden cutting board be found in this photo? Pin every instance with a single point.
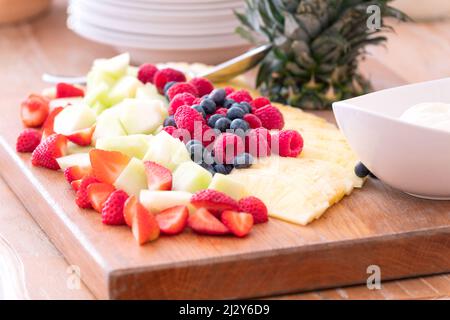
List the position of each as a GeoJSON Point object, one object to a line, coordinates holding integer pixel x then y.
{"type": "Point", "coordinates": [402, 235]}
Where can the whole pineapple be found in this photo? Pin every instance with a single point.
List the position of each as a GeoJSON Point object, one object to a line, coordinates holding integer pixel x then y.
{"type": "Point", "coordinates": [316, 47]}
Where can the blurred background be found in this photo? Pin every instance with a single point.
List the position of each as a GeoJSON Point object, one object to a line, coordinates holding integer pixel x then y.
{"type": "Point", "coordinates": [170, 30]}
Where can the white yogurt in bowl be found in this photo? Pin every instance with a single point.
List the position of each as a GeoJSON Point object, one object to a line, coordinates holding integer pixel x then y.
{"type": "Point", "coordinates": [434, 115]}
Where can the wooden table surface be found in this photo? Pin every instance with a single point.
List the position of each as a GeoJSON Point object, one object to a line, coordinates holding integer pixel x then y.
{"type": "Point", "coordinates": [37, 270]}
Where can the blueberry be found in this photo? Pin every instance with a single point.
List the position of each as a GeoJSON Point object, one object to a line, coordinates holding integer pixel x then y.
{"type": "Point", "coordinates": [196, 152]}
{"type": "Point", "coordinates": [208, 167]}
{"type": "Point", "coordinates": [208, 158]}
{"type": "Point", "coordinates": [239, 124]}
{"type": "Point", "coordinates": [241, 106]}
{"type": "Point", "coordinates": [246, 106]}
{"type": "Point", "coordinates": [229, 167]}
{"type": "Point", "coordinates": [222, 124]}
{"type": "Point", "coordinates": [192, 142]}
{"type": "Point", "coordinates": [169, 121]}
{"type": "Point", "coordinates": [228, 103]}
{"type": "Point", "coordinates": [209, 106]}
{"type": "Point", "coordinates": [361, 170]}
{"type": "Point", "coordinates": [213, 119]}
{"type": "Point", "coordinates": [242, 161]}
{"type": "Point", "coordinates": [168, 85]}
{"type": "Point", "coordinates": [218, 96]}
{"type": "Point", "coordinates": [200, 109]}
{"type": "Point", "coordinates": [220, 168]}
{"type": "Point", "coordinates": [235, 113]}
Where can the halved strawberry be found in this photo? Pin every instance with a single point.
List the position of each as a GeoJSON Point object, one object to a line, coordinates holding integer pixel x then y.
{"type": "Point", "coordinates": [132, 206]}
{"type": "Point", "coordinates": [97, 194]}
{"type": "Point", "coordinates": [204, 222]}
{"type": "Point", "coordinates": [82, 137]}
{"type": "Point", "coordinates": [76, 173]}
{"type": "Point", "coordinates": [112, 212]}
{"type": "Point", "coordinates": [239, 223]}
{"type": "Point", "coordinates": [47, 127]}
{"type": "Point", "coordinates": [173, 220]}
{"type": "Point", "coordinates": [34, 110]}
{"type": "Point", "coordinates": [107, 165]}
{"type": "Point", "coordinates": [48, 150]}
{"type": "Point", "coordinates": [213, 200]}
{"type": "Point", "coordinates": [65, 90]}
{"type": "Point", "coordinates": [82, 199]}
{"type": "Point", "coordinates": [144, 225]}
{"type": "Point", "coordinates": [76, 184]}
{"type": "Point", "coordinates": [158, 177]}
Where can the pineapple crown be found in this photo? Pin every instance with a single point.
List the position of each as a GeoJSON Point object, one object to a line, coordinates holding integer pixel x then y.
{"type": "Point", "coordinates": [316, 46]}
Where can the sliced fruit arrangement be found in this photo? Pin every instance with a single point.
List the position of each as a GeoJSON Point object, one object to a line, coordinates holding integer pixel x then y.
{"type": "Point", "coordinates": [149, 148]}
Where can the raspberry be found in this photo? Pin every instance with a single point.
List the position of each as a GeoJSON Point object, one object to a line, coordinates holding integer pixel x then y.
{"type": "Point", "coordinates": [208, 135]}
{"type": "Point", "coordinates": [258, 142]}
{"type": "Point", "coordinates": [259, 103]}
{"type": "Point", "coordinates": [181, 87]}
{"type": "Point", "coordinates": [290, 143]}
{"type": "Point", "coordinates": [203, 86]}
{"type": "Point", "coordinates": [222, 111]}
{"type": "Point", "coordinates": [182, 134]}
{"type": "Point", "coordinates": [229, 90]}
{"type": "Point", "coordinates": [28, 140]}
{"type": "Point", "coordinates": [226, 147]}
{"type": "Point", "coordinates": [186, 118]}
{"type": "Point", "coordinates": [163, 76]}
{"type": "Point", "coordinates": [241, 96]}
{"type": "Point", "coordinates": [179, 100]}
{"type": "Point", "coordinates": [255, 207]}
{"type": "Point", "coordinates": [271, 117]}
{"type": "Point", "coordinates": [147, 72]}
{"type": "Point", "coordinates": [197, 101]}
{"type": "Point", "coordinates": [169, 129]}
{"type": "Point", "coordinates": [252, 120]}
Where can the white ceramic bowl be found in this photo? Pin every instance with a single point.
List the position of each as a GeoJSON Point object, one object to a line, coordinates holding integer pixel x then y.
{"type": "Point", "coordinates": [408, 157]}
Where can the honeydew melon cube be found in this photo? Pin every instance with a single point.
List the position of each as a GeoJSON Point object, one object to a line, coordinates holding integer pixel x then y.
{"type": "Point", "coordinates": [132, 179]}
{"type": "Point", "coordinates": [73, 118]}
{"type": "Point", "coordinates": [167, 151]}
{"type": "Point", "coordinates": [73, 148]}
{"type": "Point", "coordinates": [132, 71]}
{"type": "Point", "coordinates": [124, 88]}
{"type": "Point", "coordinates": [157, 201]}
{"type": "Point", "coordinates": [64, 102]}
{"type": "Point", "coordinates": [78, 159]}
{"type": "Point", "coordinates": [116, 66]}
{"type": "Point", "coordinates": [97, 94]}
{"type": "Point", "coordinates": [133, 146]}
{"type": "Point", "coordinates": [95, 77]}
{"type": "Point", "coordinates": [108, 125]}
{"type": "Point", "coordinates": [149, 92]}
{"type": "Point", "coordinates": [190, 177]}
{"type": "Point", "coordinates": [142, 116]}
{"type": "Point", "coordinates": [229, 186]}
{"type": "Point", "coordinates": [98, 108]}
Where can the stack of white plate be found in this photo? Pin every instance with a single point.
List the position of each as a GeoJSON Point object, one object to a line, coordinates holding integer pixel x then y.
{"type": "Point", "coordinates": [162, 30]}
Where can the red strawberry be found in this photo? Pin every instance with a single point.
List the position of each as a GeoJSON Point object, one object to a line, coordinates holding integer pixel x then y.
{"type": "Point", "coordinates": [107, 165]}
{"type": "Point", "coordinates": [65, 90]}
{"type": "Point", "coordinates": [240, 96]}
{"type": "Point", "coordinates": [82, 137]}
{"type": "Point", "coordinates": [47, 127]}
{"type": "Point", "coordinates": [28, 140]}
{"type": "Point", "coordinates": [169, 129]}
{"type": "Point", "coordinates": [34, 110]}
{"type": "Point", "coordinates": [98, 193]}
{"type": "Point", "coordinates": [48, 150]}
{"type": "Point", "coordinates": [76, 173]}
{"type": "Point", "coordinates": [181, 87]}
{"type": "Point", "coordinates": [179, 100]}
{"type": "Point", "coordinates": [271, 117]}
{"type": "Point", "coordinates": [204, 222]}
{"type": "Point", "coordinates": [227, 146]}
{"type": "Point", "coordinates": [229, 90]}
{"type": "Point", "coordinates": [82, 199]}
{"type": "Point", "coordinates": [146, 72]}
{"type": "Point", "coordinates": [203, 86]}
{"type": "Point", "coordinates": [239, 223]}
{"type": "Point", "coordinates": [158, 177]}
{"type": "Point", "coordinates": [213, 200]}
{"type": "Point", "coordinates": [290, 143]}
{"type": "Point", "coordinates": [167, 75]}
{"type": "Point", "coordinates": [259, 103]}
{"type": "Point", "coordinates": [255, 207]}
{"type": "Point", "coordinates": [143, 223]}
{"type": "Point", "coordinates": [76, 184]}
{"type": "Point", "coordinates": [186, 118]}
{"type": "Point", "coordinates": [252, 120]}
{"type": "Point", "coordinates": [173, 220]}
{"type": "Point", "coordinates": [112, 212]}
{"type": "Point", "coordinates": [258, 142]}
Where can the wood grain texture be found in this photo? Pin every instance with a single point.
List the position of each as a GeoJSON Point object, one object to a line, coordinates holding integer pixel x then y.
{"type": "Point", "coordinates": [377, 225]}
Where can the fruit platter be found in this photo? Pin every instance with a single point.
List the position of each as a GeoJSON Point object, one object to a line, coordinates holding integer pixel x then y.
{"type": "Point", "coordinates": [161, 184]}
